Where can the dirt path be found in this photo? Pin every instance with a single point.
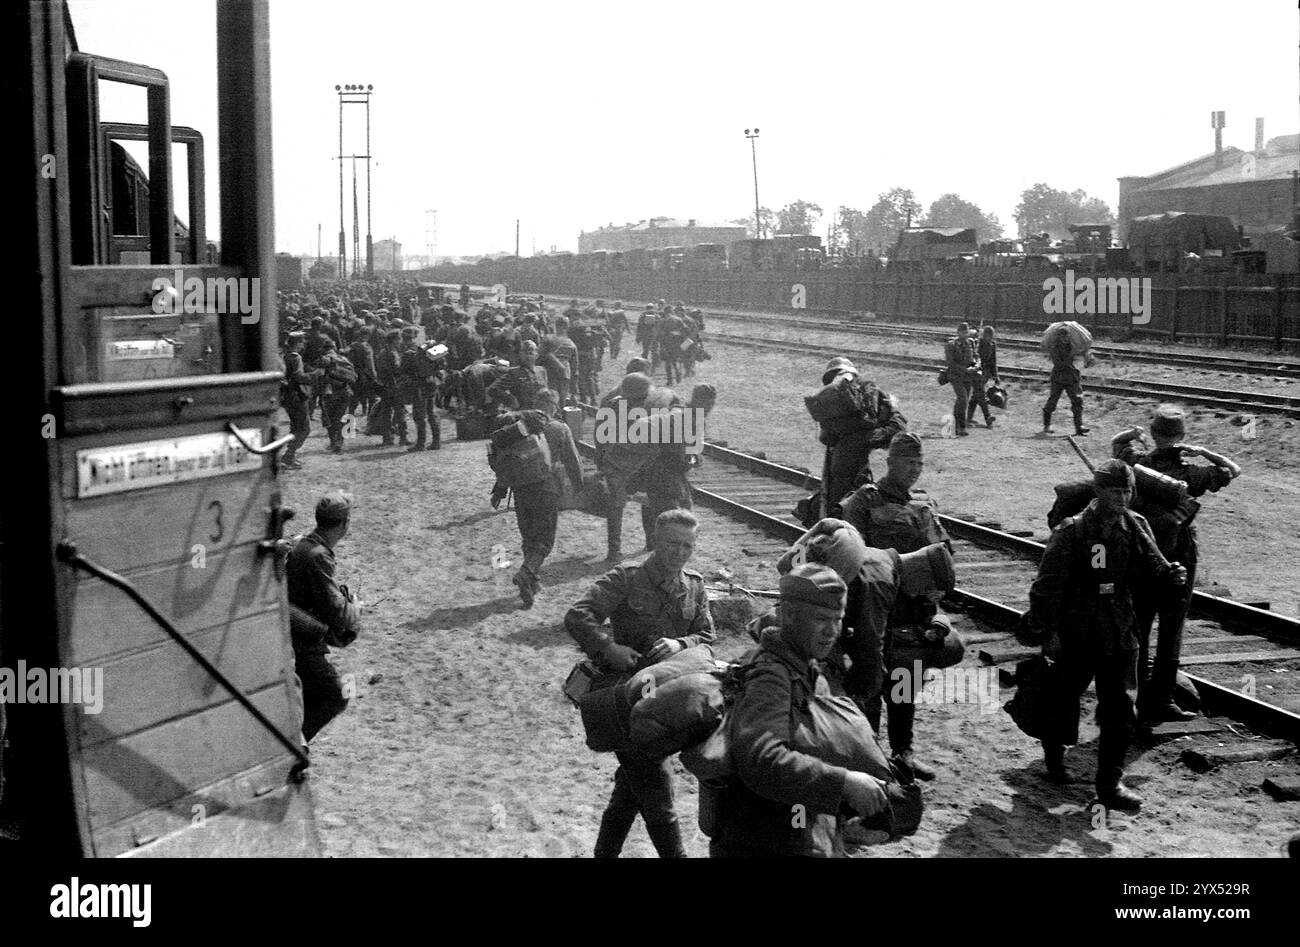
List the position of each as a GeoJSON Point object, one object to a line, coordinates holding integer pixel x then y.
{"type": "Point", "coordinates": [458, 741]}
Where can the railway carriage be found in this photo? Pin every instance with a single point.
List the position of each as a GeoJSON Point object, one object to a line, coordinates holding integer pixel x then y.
{"type": "Point", "coordinates": [143, 547]}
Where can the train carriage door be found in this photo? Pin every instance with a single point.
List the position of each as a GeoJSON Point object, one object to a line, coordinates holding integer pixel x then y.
{"type": "Point", "coordinates": [164, 395]}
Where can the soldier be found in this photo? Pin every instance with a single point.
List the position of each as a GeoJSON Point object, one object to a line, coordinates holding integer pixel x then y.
{"type": "Point", "coordinates": [561, 361]}
{"type": "Point", "coordinates": [635, 366]}
{"type": "Point", "coordinates": [664, 478]}
{"type": "Point", "coordinates": [871, 423]}
{"type": "Point", "coordinates": [671, 331]}
{"type": "Point", "coordinates": [464, 296]}
{"type": "Point", "coordinates": [751, 816]}
{"type": "Point", "coordinates": [586, 340]}
{"type": "Point", "coordinates": [888, 516]}
{"type": "Point", "coordinates": [619, 463]}
{"type": "Point", "coordinates": [420, 384]}
{"type": "Point", "coordinates": [1175, 534]}
{"type": "Point", "coordinates": [295, 394]}
{"type": "Point", "coordinates": [959, 355]}
{"type": "Point", "coordinates": [465, 344]}
{"type": "Point", "coordinates": [615, 326]}
{"type": "Point", "coordinates": [987, 351]}
{"type": "Point", "coordinates": [647, 336]}
{"type": "Point", "coordinates": [362, 357]}
{"type": "Point", "coordinates": [1064, 378]}
{"type": "Point", "coordinates": [388, 375]}
{"type": "Point", "coordinates": [691, 344]}
{"type": "Point", "coordinates": [517, 389]}
{"type": "Point", "coordinates": [1082, 599]}
{"type": "Point", "coordinates": [337, 377]}
{"type": "Point", "coordinates": [314, 589]}
{"type": "Point", "coordinates": [537, 505]}
{"type": "Point", "coordinates": [655, 610]}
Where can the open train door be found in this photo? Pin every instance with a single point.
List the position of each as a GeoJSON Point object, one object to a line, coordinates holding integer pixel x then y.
{"type": "Point", "coordinates": [151, 507]}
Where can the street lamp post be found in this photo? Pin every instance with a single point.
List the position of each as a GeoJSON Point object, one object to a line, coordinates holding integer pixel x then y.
{"type": "Point", "coordinates": [753, 150]}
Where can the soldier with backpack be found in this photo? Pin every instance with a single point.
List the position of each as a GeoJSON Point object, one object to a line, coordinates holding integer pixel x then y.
{"type": "Point", "coordinates": [388, 374]}
{"type": "Point", "coordinates": [615, 326]}
{"type": "Point", "coordinates": [855, 417]}
{"type": "Point", "coordinates": [1061, 346]}
{"type": "Point", "coordinates": [338, 375]}
{"type": "Point", "coordinates": [888, 516]}
{"type": "Point", "coordinates": [533, 473]}
{"type": "Point", "coordinates": [421, 380]}
{"type": "Point", "coordinates": [295, 394]}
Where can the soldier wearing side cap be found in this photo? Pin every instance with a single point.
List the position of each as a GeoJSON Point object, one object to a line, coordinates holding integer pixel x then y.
{"type": "Point", "coordinates": [751, 816]}
{"type": "Point", "coordinates": [1175, 532]}
{"type": "Point", "coordinates": [655, 610]}
{"type": "Point", "coordinates": [869, 421]}
{"type": "Point", "coordinates": [1083, 599]}
{"type": "Point", "coordinates": [876, 580]}
{"type": "Point", "coordinates": [334, 616]}
{"type": "Point", "coordinates": [888, 516]}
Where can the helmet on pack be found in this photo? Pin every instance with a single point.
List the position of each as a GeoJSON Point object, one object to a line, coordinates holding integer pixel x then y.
{"type": "Point", "coordinates": [996, 396]}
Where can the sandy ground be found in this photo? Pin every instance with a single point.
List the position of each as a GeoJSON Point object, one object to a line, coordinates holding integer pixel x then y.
{"type": "Point", "coordinates": [459, 742]}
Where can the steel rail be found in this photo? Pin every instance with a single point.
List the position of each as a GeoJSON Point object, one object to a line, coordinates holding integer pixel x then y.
{"type": "Point", "coordinates": [1223, 399]}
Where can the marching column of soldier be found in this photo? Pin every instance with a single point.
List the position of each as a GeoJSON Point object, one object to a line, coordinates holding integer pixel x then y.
{"type": "Point", "coordinates": [1120, 560]}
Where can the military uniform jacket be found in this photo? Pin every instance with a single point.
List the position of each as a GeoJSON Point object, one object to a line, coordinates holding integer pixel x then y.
{"type": "Point", "coordinates": [874, 416]}
{"type": "Point", "coordinates": [772, 774]}
{"type": "Point", "coordinates": [959, 354]}
{"type": "Point", "coordinates": [889, 518]}
{"type": "Point", "coordinates": [616, 321]}
{"type": "Point", "coordinates": [518, 387]}
{"type": "Point", "coordinates": [314, 589]}
{"type": "Point", "coordinates": [1087, 576]}
{"type": "Point", "coordinates": [1175, 535]}
{"type": "Point", "coordinates": [642, 604]}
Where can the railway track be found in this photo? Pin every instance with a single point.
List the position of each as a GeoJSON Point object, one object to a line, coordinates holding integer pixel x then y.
{"type": "Point", "coordinates": [1244, 401]}
{"type": "Point", "coordinates": [1243, 659]}
{"type": "Point", "coordinates": [1274, 367]}
{"type": "Point", "coordinates": [1278, 368]}
{"type": "Point", "coordinates": [1230, 649]}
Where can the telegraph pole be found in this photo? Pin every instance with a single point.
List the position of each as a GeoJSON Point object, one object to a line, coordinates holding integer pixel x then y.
{"type": "Point", "coordinates": [354, 94]}
{"type": "Point", "coordinates": [753, 150]}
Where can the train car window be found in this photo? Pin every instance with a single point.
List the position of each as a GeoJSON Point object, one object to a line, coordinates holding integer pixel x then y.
{"type": "Point", "coordinates": [154, 304]}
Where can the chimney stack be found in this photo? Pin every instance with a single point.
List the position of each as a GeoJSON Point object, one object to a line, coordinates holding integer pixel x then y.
{"type": "Point", "coordinates": [1259, 136]}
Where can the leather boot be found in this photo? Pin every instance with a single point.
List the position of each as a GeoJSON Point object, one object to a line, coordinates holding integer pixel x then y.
{"type": "Point", "coordinates": [614, 826]}
{"type": "Point", "coordinates": [1079, 429]}
{"type": "Point", "coordinates": [1047, 421]}
{"type": "Point", "coordinates": [1111, 792]}
{"type": "Point", "coordinates": [667, 839]}
{"type": "Point", "coordinates": [1054, 758]}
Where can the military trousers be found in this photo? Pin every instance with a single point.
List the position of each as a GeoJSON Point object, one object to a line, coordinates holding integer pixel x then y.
{"type": "Point", "coordinates": [615, 342]}
{"type": "Point", "coordinates": [424, 412]}
{"type": "Point", "coordinates": [1071, 383]}
{"type": "Point", "coordinates": [299, 423]}
{"type": "Point", "coordinates": [1157, 677]}
{"type": "Point", "coordinates": [961, 400]}
{"type": "Point", "coordinates": [663, 492]}
{"type": "Point", "coordinates": [645, 787]}
{"type": "Point", "coordinates": [334, 406]}
{"type": "Point", "coordinates": [848, 456]}
{"type": "Point", "coordinates": [537, 512]}
{"type": "Point", "coordinates": [322, 691]}
{"type": "Point", "coordinates": [1115, 671]}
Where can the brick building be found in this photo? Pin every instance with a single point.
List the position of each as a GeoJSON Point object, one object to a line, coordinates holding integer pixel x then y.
{"type": "Point", "coordinates": [657, 232]}
{"type": "Point", "coordinates": [1256, 189]}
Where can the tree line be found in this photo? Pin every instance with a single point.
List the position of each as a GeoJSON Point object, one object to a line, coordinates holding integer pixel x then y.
{"type": "Point", "coordinates": [1042, 209]}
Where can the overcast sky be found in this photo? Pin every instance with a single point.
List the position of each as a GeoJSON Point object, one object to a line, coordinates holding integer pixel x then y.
{"type": "Point", "coordinates": [571, 115]}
